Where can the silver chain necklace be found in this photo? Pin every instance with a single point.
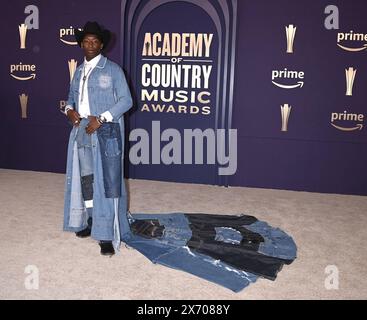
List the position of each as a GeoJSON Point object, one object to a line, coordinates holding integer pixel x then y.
{"type": "Point", "coordinates": [84, 79]}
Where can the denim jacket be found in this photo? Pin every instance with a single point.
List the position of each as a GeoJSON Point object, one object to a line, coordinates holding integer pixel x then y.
{"type": "Point", "coordinates": [107, 91]}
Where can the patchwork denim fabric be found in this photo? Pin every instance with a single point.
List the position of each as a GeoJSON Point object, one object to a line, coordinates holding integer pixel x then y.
{"type": "Point", "coordinates": [171, 250]}
{"type": "Point", "coordinates": [277, 243]}
{"type": "Point", "coordinates": [107, 91]}
{"type": "Point", "coordinates": [110, 142]}
{"type": "Point", "coordinates": [85, 153]}
{"type": "Point", "coordinates": [179, 246]}
{"type": "Point", "coordinates": [228, 235]}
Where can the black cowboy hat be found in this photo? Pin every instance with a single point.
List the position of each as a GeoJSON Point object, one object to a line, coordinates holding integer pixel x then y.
{"type": "Point", "coordinates": [92, 27]}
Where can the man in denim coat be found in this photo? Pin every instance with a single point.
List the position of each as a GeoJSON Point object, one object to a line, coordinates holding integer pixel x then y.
{"type": "Point", "coordinates": [95, 194]}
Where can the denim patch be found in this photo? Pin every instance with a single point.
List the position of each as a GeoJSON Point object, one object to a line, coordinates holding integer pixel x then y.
{"type": "Point", "coordinates": [233, 263]}
{"type": "Point", "coordinates": [228, 235]}
{"type": "Point", "coordinates": [105, 81]}
{"type": "Point", "coordinates": [87, 187]}
{"type": "Point", "coordinates": [113, 148]}
{"type": "Point", "coordinates": [110, 143]}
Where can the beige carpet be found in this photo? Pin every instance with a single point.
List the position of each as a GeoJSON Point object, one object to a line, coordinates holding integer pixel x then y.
{"type": "Point", "coordinates": [328, 230]}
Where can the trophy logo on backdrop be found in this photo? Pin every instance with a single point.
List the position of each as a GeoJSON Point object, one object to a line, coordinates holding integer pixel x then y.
{"type": "Point", "coordinates": [72, 67]}
{"type": "Point", "coordinates": [350, 75]}
{"type": "Point", "coordinates": [285, 112]}
{"type": "Point", "coordinates": [22, 35]}
{"type": "Point", "coordinates": [23, 98]}
{"type": "Point", "coordinates": [291, 33]}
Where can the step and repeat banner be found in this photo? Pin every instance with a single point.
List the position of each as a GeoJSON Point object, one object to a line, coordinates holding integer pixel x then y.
{"type": "Point", "coordinates": [300, 95]}
{"type": "Point", "coordinates": [226, 92]}
{"type": "Point", "coordinates": [180, 56]}
{"type": "Point", "coordinates": [39, 57]}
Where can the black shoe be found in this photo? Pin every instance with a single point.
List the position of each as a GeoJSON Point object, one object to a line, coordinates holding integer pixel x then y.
{"type": "Point", "coordinates": [106, 248]}
{"type": "Point", "coordinates": [85, 232]}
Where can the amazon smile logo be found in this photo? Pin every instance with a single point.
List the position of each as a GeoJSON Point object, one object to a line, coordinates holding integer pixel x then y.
{"type": "Point", "coordinates": [351, 36]}
{"type": "Point", "coordinates": [296, 76]}
{"type": "Point", "coordinates": [30, 69]}
{"type": "Point", "coordinates": [346, 118]}
{"type": "Point", "coordinates": [69, 34]}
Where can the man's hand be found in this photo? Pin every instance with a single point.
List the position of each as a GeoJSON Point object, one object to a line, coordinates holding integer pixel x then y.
{"type": "Point", "coordinates": [93, 125]}
{"type": "Point", "coordinates": [74, 117]}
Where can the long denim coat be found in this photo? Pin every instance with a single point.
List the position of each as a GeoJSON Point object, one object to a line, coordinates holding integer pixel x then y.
{"type": "Point", "coordinates": [107, 91]}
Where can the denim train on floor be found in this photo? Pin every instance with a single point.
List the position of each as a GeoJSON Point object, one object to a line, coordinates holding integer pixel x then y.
{"type": "Point", "coordinates": [232, 251]}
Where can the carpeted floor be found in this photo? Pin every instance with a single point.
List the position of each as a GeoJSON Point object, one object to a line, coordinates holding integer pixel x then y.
{"type": "Point", "coordinates": [329, 230]}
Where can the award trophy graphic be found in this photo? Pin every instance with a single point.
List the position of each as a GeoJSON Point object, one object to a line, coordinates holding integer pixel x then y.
{"type": "Point", "coordinates": [285, 112]}
{"type": "Point", "coordinates": [23, 98]}
{"type": "Point", "coordinates": [72, 67]}
{"type": "Point", "coordinates": [290, 32]}
{"type": "Point", "coordinates": [22, 35]}
{"type": "Point", "coordinates": [350, 75]}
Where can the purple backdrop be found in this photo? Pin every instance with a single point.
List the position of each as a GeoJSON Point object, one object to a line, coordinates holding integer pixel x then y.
{"type": "Point", "coordinates": [311, 155]}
